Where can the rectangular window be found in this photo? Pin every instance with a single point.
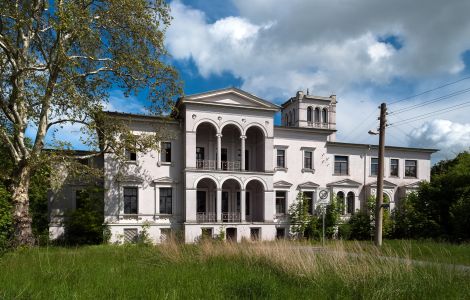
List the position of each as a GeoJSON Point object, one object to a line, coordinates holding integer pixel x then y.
{"type": "Point", "coordinates": [130, 155]}
{"type": "Point", "coordinates": [131, 235]}
{"type": "Point", "coordinates": [309, 200]}
{"type": "Point", "coordinates": [374, 166]}
{"type": "Point", "coordinates": [130, 200]}
{"type": "Point", "coordinates": [394, 167]}
{"type": "Point", "coordinates": [166, 152]}
{"type": "Point", "coordinates": [308, 160]}
{"type": "Point", "coordinates": [341, 165]}
{"type": "Point", "coordinates": [206, 233]}
{"type": "Point", "coordinates": [281, 158]}
{"type": "Point", "coordinates": [411, 168]}
{"type": "Point", "coordinates": [255, 234]}
{"type": "Point", "coordinates": [165, 200]}
{"type": "Point", "coordinates": [280, 233]}
{"type": "Point", "coordinates": [280, 202]}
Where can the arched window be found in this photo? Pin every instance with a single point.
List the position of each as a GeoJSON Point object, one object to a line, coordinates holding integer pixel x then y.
{"type": "Point", "coordinates": [340, 201]}
{"type": "Point", "coordinates": [324, 116]}
{"type": "Point", "coordinates": [317, 115]}
{"type": "Point", "coordinates": [309, 114]}
{"type": "Point", "coordinates": [286, 120]}
{"type": "Point", "coordinates": [290, 118]}
{"type": "Point", "coordinates": [350, 203]}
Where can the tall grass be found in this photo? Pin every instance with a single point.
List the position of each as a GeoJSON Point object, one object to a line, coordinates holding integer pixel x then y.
{"type": "Point", "coordinates": [216, 270]}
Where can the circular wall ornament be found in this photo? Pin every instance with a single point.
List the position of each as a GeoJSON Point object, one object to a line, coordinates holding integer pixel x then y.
{"type": "Point", "coordinates": [219, 118]}
{"type": "Point", "coordinates": [194, 116]}
{"type": "Point", "coordinates": [323, 194]}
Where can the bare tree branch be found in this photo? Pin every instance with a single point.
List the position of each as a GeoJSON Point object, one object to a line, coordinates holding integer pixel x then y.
{"type": "Point", "coordinates": [66, 121]}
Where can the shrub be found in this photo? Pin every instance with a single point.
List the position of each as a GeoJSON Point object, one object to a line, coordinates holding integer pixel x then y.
{"type": "Point", "coordinates": [360, 226]}
{"type": "Point", "coordinates": [344, 231]}
{"type": "Point", "coordinates": [85, 224]}
{"type": "Point", "coordinates": [6, 225]}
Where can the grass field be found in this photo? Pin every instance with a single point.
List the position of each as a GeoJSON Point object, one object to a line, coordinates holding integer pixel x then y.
{"type": "Point", "coordinates": [227, 271]}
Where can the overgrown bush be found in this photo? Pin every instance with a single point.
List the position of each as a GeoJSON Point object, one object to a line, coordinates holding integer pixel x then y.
{"type": "Point", "coordinates": [360, 226]}
{"type": "Point", "coordinates": [84, 225]}
{"type": "Point", "coordinates": [6, 226]}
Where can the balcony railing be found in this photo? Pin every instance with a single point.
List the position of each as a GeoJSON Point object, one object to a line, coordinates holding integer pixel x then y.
{"type": "Point", "coordinates": [231, 217]}
{"type": "Point", "coordinates": [212, 165]}
{"type": "Point", "coordinates": [212, 217]}
{"type": "Point", "coordinates": [206, 217]}
{"type": "Point", "coordinates": [318, 125]}
{"type": "Point", "coordinates": [206, 164]}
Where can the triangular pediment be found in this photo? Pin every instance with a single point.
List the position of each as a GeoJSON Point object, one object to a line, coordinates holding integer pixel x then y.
{"type": "Point", "coordinates": [307, 185]}
{"type": "Point", "coordinates": [231, 97]}
{"type": "Point", "coordinates": [387, 184]}
{"type": "Point", "coordinates": [345, 182]}
{"type": "Point", "coordinates": [282, 184]}
{"type": "Point", "coordinates": [164, 180]}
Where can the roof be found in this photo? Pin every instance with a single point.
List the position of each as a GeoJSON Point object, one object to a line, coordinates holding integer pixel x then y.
{"type": "Point", "coordinates": [252, 101]}
{"type": "Point", "coordinates": [122, 115]}
{"type": "Point", "coordinates": [412, 149]}
{"type": "Point", "coordinates": [305, 129]}
{"type": "Point", "coordinates": [307, 97]}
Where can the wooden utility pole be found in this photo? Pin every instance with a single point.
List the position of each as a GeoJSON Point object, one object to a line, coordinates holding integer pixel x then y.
{"type": "Point", "coordinates": [380, 177]}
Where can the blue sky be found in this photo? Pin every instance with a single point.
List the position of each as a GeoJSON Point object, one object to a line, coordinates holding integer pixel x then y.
{"type": "Point", "coordinates": [366, 53]}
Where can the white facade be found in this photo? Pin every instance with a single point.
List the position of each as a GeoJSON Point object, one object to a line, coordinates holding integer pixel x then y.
{"type": "Point", "coordinates": [232, 170]}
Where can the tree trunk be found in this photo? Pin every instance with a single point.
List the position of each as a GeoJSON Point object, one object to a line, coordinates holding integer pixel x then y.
{"type": "Point", "coordinates": [23, 233]}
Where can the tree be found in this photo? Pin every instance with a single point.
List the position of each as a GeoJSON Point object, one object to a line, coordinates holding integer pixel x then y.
{"type": "Point", "coordinates": [58, 61]}
{"type": "Point", "coordinates": [299, 216]}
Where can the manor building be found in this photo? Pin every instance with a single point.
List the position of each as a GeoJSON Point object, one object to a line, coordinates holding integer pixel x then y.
{"type": "Point", "coordinates": [224, 166]}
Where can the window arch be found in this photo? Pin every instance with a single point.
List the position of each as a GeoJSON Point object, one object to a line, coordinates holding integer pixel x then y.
{"type": "Point", "coordinates": [286, 119]}
{"type": "Point", "coordinates": [350, 203]}
{"type": "Point", "coordinates": [309, 114]}
{"type": "Point", "coordinates": [290, 118]}
{"type": "Point", "coordinates": [340, 201]}
{"type": "Point", "coordinates": [324, 116]}
{"type": "Point", "coordinates": [317, 115]}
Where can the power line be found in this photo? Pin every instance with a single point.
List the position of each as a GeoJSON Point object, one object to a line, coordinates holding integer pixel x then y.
{"type": "Point", "coordinates": [427, 115]}
{"type": "Point", "coordinates": [431, 101]}
{"type": "Point", "coordinates": [428, 91]}
{"type": "Point", "coordinates": [361, 124]}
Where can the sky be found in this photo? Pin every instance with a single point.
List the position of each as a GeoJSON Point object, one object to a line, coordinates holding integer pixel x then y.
{"type": "Point", "coordinates": [364, 51]}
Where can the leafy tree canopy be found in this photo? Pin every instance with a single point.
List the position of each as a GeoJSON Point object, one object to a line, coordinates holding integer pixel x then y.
{"type": "Point", "coordinates": [58, 62]}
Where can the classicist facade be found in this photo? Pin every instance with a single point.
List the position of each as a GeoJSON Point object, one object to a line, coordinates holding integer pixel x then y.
{"type": "Point", "coordinates": [225, 167]}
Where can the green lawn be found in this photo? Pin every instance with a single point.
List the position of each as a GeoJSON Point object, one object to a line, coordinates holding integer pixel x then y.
{"type": "Point", "coordinates": [219, 271]}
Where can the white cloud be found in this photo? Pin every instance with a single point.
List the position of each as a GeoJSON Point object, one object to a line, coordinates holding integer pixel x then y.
{"type": "Point", "coordinates": [277, 47]}
{"type": "Point", "coordinates": [450, 137]}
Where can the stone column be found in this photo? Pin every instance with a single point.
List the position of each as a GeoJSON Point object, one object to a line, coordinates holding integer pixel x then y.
{"type": "Point", "coordinates": [243, 205]}
{"type": "Point", "coordinates": [219, 205]}
{"type": "Point", "coordinates": [269, 204]}
{"type": "Point", "coordinates": [219, 151]}
{"type": "Point", "coordinates": [242, 154]}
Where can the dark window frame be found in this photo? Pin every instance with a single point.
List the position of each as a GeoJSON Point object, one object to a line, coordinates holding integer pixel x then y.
{"type": "Point", "coordinates": [342, 166]}
{"type": "Point", "coordinates": [392, 167]}
{"type": "Point", "coordinates": [129, 197]}
{"type": "Point", "coordinates": [166, 200]}
{"type": "Point", "coordinates": [374, 166]}
{"type": "Point", "coordinates": [408, 168]}
{"type": "Point", "coordinates": [166, 152]}
{"type": "Point", "coordinates": [308, 161]}
{"type": "Point", "coordinates": [281, 202]}
{"type": "Point", "coordinates": [281, 158]}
